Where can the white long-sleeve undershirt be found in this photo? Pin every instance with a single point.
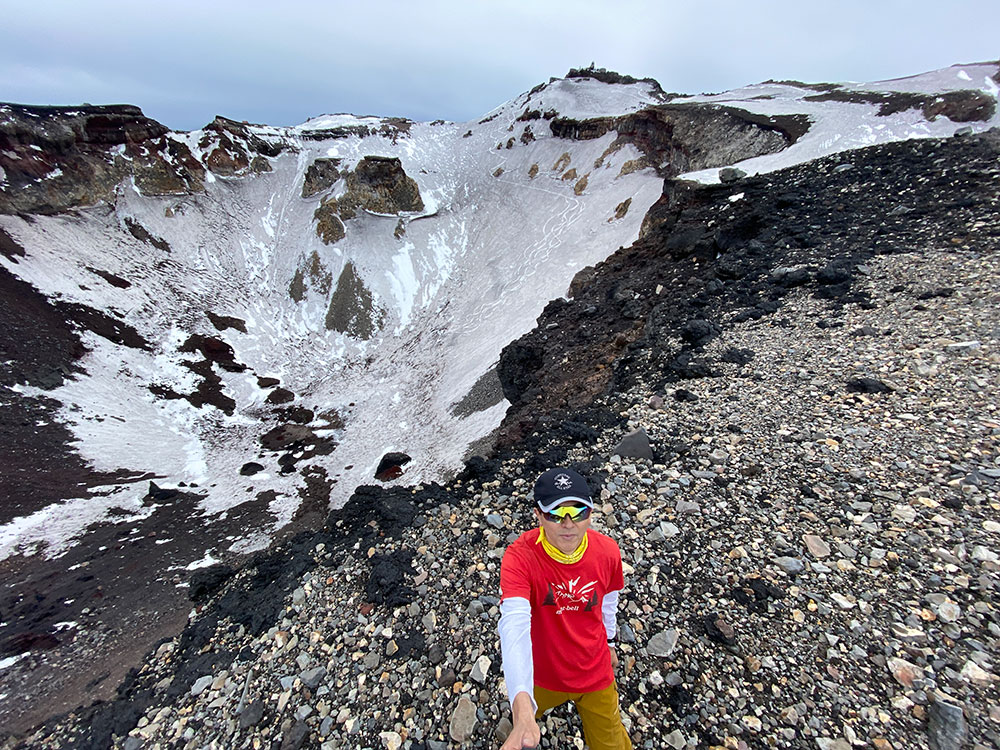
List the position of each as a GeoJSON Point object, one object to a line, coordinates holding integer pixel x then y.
{"type": "Point", "coordinates": [609, 612]}
{"type": "Point", "coordinates": [515, 648]}
{"type": "Point", "coordinates": [515, 641]}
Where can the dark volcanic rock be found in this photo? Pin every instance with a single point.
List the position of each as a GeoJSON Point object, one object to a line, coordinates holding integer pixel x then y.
{"type": "Point", "coordinates": [142, 234]}
{"type": "Point", "coordinates": [234, 150]}
{"type": "Point", "coordinates": [719, 630]}
{"type": "Point", "coordinates": [103, 324]}
{"type": "Point", "coordinates": [387, 583]}
{"type": "Point", "coordinates": [677, 138]}
{"type": "Point", "coordinates": [58, 158]}
{"type": "Point", "coordinates": [390, 510]}
{"type": "Point", "coordinates": [160, 494]}
{"type": "Point", "coordinates": [969, 105]}
{"type": "Point", "coordinates": [737, 356]}
{"type": "Point", "coordinates": [635, 445]}
{"type": "Point", "coordinates": [322, 174]}
{"type": "Point", "coordinates": [213, 350]}
{"type": "Point", "coordinates": [206, 581]}
{"type": "Point", "coordinates": [280, 396]}
{"type": "Point", "coordinates": [518, 363]}
{"type": "Point", "coordinates": [26, 641]}
{"type": "Point", "coordinates": [9, 248]}
{"type": "Point", "coordinates": [353, 309]}
{"type": "Point", "coordinates": [729, 175]}
{"type": "Point", "coordinates": [298, 414]}
{"type": "Point", "coordinates": [699, 331]}
{"type": "Point", "coordinates": [703, 251]}
{"type": "Point", "coordinates": [285, 436]}
{"type": "Point", "coordinates": [224, 322]}
{"type": "Point", "coordinates": [115, 281]}
{"type": "Point", "coordinates": [329, 226]}
{"type": "Point", "coordinates": [252, 714]}
{"type": "Point", "coordinates": [391, 466]}
{"type": "Point", "coordinates": [867, 385]}
{"type": "Point", "coordinates": [295, 737]}
{"type": "Point", "coordinates": [380, 185]}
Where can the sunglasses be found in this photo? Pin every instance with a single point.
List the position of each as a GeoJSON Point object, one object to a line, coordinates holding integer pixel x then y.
{"type": "Point", "coordinates": [572, 512]}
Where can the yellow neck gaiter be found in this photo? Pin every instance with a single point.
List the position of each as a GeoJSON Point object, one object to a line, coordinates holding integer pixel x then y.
{"type": "Point", "coordinates": [561, 557]}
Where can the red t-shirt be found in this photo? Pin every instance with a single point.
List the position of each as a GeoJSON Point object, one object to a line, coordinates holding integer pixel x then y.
{"type": "Point", "coordinates": [568, 640]}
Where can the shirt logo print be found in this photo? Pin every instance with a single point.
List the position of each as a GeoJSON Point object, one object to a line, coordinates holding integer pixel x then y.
{"type": "Point", "coordinates": [569, 596]}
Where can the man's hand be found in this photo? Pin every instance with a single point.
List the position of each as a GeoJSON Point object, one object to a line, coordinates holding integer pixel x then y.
{"type": "Point", "coordinates": [525, 732]}
{"type": "Point", "coordinates": [614, 657]}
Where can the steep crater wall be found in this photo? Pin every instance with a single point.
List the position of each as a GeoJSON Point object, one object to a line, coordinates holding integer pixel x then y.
{"type": "Point", "coordinates": [678, 138]}
{"type": "Point", "coordinates": [58, 158]}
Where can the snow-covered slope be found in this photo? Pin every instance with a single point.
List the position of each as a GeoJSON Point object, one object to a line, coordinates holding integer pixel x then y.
{"type": "Point", "coordinates": [854, 115]}
{"type": "Point", "coordinates": [502, 230]}
{"type": "Point", "coordinates": [380, 315]}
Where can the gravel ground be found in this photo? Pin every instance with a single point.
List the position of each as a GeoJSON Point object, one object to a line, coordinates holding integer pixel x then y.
{"type": "Point", "coordinates": [811, 555]}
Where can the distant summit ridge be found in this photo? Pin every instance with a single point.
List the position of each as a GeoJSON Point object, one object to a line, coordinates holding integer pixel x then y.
{"type": "Point", "coordinates": [610, 76]}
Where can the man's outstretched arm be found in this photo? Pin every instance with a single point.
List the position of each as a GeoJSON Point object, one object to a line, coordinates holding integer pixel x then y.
{"type": "Point", "coordinates": [518, 670]}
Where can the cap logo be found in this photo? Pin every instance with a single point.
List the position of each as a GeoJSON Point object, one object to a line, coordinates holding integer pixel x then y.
{"type": "Point", "coordinates": [563, 482]}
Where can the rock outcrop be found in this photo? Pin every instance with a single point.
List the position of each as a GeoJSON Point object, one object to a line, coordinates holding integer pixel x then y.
{"type": "Point", "coordinates": [678, 138]}
{"type": "Point", "coordinates": [352, 307]}
{"type": "Point", "coordinates": [321, 175]}
{"type": "Point", "coordinates": [379, 184]}
{"type": "Point", "coordinates": [59, 158]}
{"type": "Point", "coordinates": [329, 226]}
{"type": "Point", "coordinates": [234, 150]}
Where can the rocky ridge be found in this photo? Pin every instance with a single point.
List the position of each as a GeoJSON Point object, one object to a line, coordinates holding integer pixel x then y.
{"type": "Point", "coordinates": [807, 503]}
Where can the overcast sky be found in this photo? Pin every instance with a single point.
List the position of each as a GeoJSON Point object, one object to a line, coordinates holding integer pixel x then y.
{"type": "Point", "coordinates": [282, 62]}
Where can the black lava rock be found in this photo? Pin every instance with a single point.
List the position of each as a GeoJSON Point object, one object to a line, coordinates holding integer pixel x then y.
{"type": "Point", "coordinates": [867, 385]}
{"type": "Point", "coordinates": [206, 581]}
{"type": "Point", "coordinates": [387, 582]}
{"type": "Point", "coordinates": [252, 714]}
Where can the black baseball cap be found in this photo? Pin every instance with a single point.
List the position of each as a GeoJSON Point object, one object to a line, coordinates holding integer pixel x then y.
{"type": "Point", "coordinates": [558, 485]}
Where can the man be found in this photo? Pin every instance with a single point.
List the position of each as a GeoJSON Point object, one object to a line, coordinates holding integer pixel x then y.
{"type": "Point", "coordinates": [559, 587]}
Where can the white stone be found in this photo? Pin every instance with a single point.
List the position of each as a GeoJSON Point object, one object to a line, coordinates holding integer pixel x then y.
{"type": "Point", "coordinates": [201, 685]}
{"type": "Point", "coordinates": [983, 554]}
{"type": "Point", "coordinates": [663, 643]}
{"type": "Point", "coordinates": [843, 602]}
{"type": "Point", "coordinates": [676, 740]}
{"type": "Point", "coordinates": [752, 723]}
{"type": "Point", "coordinates": [481, 668]}
{"type": "Point", "coordinates": [961, 347]}
{"type": "Point", "coordinates": [949, 612]}
{"type": "Point", "coordinates": [391, 740]}
{"type": "Point", "coordinates": [904, 513]}
{"type": "Point", "coordinates": [974, 673]}
{"type": "Point", "coordinates": [816, 546]}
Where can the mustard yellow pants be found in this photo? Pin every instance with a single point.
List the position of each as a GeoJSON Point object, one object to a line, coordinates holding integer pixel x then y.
{"type": "Point", "coordinates": [599, 712]}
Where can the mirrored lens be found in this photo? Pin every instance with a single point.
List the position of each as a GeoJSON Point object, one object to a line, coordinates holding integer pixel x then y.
{"type": "Point", "coordinates": [572, 512]}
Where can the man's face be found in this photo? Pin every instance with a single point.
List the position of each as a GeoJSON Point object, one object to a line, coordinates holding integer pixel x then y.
{"type": "Point", "coordinates": [565, 535]}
